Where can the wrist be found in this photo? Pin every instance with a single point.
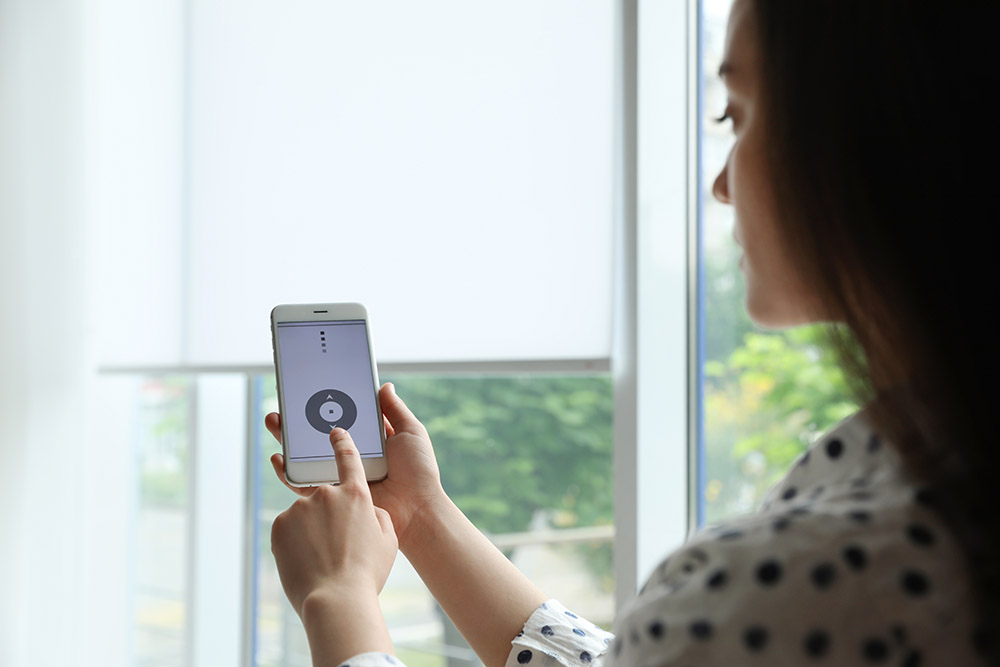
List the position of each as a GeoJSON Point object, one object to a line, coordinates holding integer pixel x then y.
{"type": "Point", "coordinates": [330, 599]}
{"type": "Point", "coordinates": [426, 523]}
{"type": "Point", "coordinates": [344, 621]}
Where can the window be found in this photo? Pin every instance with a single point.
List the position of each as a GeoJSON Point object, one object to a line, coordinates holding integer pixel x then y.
{"type": "Point", "coordinates": [500, 277]}
{"type": "Point", "coordinates": [178, 173]}
{"type": "Point", "coordinates": [161, 521]}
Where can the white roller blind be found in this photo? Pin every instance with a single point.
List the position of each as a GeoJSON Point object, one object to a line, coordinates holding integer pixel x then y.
{"type": "Point", "coordinates": [448, 163]}
{"type": "Point", "coordinates": [134, 187]}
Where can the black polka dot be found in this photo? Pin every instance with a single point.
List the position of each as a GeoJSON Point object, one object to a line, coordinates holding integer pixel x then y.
{"type": "Point", "coordinates": [755, 638]}
{"type": "Point", "coordinates": [915, 583]}
{"type": "Point", "coordinates": [800, 510]}
{"type": "Point", "coordinates": [618, 647]}
{"type": "Point", "coordinates": [920, 535]}
{"type": "Point", "coordinates": [657, 629]}
{"type": "Point", "coordinates": [586, 657]}
{"type": "Point", "coordinates": [769, 572]}
{"type": "Point", "coordinates": [789, 493]}
{"type": "Point", "coordinates": [717, 580]}
{"type": "Point", "coordinates": [731, 535]}
{"type": "Point", "coordinates": [688, 568]}
{"type": "Point", "coordinates": [524, 657]}
{"type": "Point", "coordinates": [874, 443]}
{"type": "Point", "coordinates": [875, 650]}
{"type": "Point", "coordinates": [816, 644]}
{"type": "Point", "coordinates": [899, 634]}
{"type": "Point", "coordinates": [634, 636]}
{"type": "Point", "coordinates": [780, 524]}
{"type": "Point", "coordinates": [913, 659]}
{"type": "Point", "coordinates": [834, 448]}
{"type": "Point", "coordinates": [823, 575]}
{"type": "Point", "coordinates": [547, 630]}
{"type": "Point", "coordinates": [701, 630]}
{"type": "Point", "coordinates": [817, 491]}
{"type": "Point", "coordinates": [855, 557]}
{"type": "Point", "coordinates": [860, 516]}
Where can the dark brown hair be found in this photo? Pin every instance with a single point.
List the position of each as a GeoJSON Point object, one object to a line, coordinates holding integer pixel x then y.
{"type": "Point", "coordinates": [881, 126]}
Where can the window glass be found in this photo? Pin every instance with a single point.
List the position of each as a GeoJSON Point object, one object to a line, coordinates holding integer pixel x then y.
{"type": "Point", "coordinates": [528, 459]}
{"type": "Point", "coordinates": [161, 523]}
{"type": "Point", "coordinates": [766, 395]}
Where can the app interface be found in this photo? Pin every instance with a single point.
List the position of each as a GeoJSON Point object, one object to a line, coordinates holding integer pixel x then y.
{"type": "Point", "coordinates": [327, 382]}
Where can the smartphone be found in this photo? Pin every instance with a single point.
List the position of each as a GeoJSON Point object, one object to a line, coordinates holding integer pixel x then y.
{"type": "Point", "coordinates": [326, 378]}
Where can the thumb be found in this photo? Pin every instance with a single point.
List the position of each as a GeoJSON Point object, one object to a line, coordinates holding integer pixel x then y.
{"type": "Point", "coordinates": [400, 417]}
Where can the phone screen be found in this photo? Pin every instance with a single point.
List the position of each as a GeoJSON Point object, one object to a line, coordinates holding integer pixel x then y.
{"type": "Point", "coordinates": [326, 378]}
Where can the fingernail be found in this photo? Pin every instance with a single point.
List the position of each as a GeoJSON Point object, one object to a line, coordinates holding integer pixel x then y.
{"type": "Point", "coordinates": [392, 388]}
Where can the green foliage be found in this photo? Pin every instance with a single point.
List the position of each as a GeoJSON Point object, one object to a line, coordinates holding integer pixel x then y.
{"type": "Point", "coordinates": [509, 447]}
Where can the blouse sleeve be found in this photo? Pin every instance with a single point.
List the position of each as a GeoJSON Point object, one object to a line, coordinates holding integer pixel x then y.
{"type": "Point", "coordinates": [553, 635]}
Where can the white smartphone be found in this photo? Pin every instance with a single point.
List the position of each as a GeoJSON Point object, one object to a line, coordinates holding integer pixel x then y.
{"type": "Point", "coordinates": [326, 378]}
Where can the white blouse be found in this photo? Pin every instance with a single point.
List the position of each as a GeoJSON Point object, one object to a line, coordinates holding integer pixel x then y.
{"type": "Point", "coordinates": [844, 564]}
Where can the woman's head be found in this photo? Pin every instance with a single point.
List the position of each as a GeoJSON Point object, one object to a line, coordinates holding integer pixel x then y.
{"type": "Point", "coordinates": [860, 178]}
{"type": "Point", "coordinates": [855, 172]}
{"type": "Point", "coordinates": [777, 297]}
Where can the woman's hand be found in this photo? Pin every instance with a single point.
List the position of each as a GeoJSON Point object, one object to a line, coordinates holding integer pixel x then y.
{"type": "Point", "coordinates": [413, 486]}
{"type": "Point", "coordinates": [486, 596]}
{"type": "Point", "coordinates": [335, 543]}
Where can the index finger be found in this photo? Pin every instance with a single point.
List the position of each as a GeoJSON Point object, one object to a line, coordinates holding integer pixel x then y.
{"type": "Point", "coordinates": [350, 470]}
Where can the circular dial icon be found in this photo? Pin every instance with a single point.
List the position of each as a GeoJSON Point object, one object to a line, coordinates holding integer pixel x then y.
{"type": "Point", "coordinates": [329, 409]}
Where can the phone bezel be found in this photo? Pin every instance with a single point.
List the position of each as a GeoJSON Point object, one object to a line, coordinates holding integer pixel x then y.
{"type": "Point", "coordinates": [315, 473]}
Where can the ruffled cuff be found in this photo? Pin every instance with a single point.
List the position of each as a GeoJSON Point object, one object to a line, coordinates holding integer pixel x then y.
{"type": "Point", "coordinates": [553, 635]}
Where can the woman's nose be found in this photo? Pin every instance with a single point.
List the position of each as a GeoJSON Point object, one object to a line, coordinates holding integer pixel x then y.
{"type": "Point", "coordinates": [720, 188]}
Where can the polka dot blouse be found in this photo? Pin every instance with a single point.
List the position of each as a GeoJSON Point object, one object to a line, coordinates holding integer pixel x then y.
{"type": "Point", "coordinates": [843, 564]}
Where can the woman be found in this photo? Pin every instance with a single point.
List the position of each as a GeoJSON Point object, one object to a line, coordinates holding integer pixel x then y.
{"type": "Point", "coordinates": [855, 191]}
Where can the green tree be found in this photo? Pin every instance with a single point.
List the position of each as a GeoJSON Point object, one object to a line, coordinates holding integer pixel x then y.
{"type": "Point", "coordinates": [508, 447]}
